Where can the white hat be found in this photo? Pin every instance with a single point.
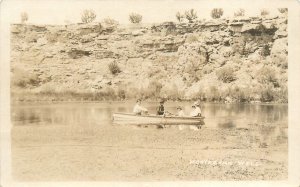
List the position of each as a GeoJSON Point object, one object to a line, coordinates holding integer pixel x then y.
{"type": "Point", "coordinates": [196, 103]}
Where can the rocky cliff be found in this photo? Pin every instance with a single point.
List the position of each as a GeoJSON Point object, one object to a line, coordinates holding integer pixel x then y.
{"type": "Point", "coordinates": [242, 59]}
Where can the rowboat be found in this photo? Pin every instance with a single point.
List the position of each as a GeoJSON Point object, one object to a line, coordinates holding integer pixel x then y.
{"type": "Point", "coordinates": [129, 118]}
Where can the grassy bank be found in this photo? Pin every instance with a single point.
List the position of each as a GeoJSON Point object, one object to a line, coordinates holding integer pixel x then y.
{"type": "Point", "coordinates": [231, 95]}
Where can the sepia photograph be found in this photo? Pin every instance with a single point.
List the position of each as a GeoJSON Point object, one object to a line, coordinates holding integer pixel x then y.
{"type": "Point", "coordinates": [148, 91]}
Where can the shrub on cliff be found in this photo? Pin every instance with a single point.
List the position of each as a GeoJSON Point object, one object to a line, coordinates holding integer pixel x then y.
{"type": "Point", "coordinates": [114, 68]}
{"type": "Point", "coordinates": [180, 17]}
{"type": "Point", "coordinates": [264, 12]}
{"type": "Point", "coordinates": [88, 16]}
{"type": "Point", "coordinates": [266, 75]}
{"type": "Point", "coordinates": [110, 22]}
{"type": "Point", "coordinates": [239, 13]}
{"type": "Point", "coordinates": [226, 74]}
{"type": "Point", "coordinates": [190, 15]}
{"type": "Point", "coordinates": [213, 94]}
{"type": "Point", "coordinates": [24, 17]}
{"type": "Point", "coordinates": [135, 18]}
{"type": "Point", "coordinates": [153, 89]}
{"type": "Point", "coordinates": [191, 38]}
{"type": "Point", "coordinates": [283, 10]}
{"type": "Point", "coordinates": [265, 51]}
{"type": "Point", "coordinates": [216, 13]}
{"type": "Point", "coordinates": [22, 79]}
{"type": "Point", "coordinates": [267, 95]}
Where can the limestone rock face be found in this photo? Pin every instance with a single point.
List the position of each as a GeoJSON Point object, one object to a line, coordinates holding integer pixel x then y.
{"type": "Point", "coordinates": [183, 57]}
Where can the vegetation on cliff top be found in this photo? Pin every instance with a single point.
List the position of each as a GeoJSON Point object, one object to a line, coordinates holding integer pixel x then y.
{"type": "Point", "coordinates": [215, 61]}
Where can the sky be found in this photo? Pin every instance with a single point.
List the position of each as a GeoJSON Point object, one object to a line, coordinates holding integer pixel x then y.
{"type": "Point", "coordinates": [153, 11]}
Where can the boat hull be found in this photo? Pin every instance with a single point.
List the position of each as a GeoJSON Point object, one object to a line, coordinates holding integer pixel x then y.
{"type": "Point", "coordinates": [126, 118]}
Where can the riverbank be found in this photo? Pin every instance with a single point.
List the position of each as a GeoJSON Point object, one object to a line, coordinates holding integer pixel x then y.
{"type": "Point", "coordinates": [72, 96]}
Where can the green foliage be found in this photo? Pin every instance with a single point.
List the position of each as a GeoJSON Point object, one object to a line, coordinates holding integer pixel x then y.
{"type": "Point", "coordinates": [88, 16]}
{"type": "Point", "coordinates": [191, 15]}
{"type": "Point", "coordinates": [135, 18]}
{"type": "Point", "coordinates": [239, 13]}
{"type": "Point", "coordinates": [114, 68]}
{"type": "Point", "coordinates": [226, 74]}
{"type": "Point", "coordinates": [216, 13]}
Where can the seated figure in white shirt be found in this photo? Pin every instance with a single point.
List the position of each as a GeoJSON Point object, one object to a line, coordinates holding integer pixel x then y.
{"type": "Point", "coordinates": [196, 112]}
{"type": "Point", "coordinates": [138, 109]}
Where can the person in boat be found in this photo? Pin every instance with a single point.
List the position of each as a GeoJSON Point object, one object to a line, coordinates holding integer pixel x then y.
{"type": "Point", "coordinates": [180, 112]}
{"type": "Point", "coordinates": [196, 112]}
{"type": "Point", "coordinates": [138, 109]}
{"type": "Point", "coordinates": [161, 108]}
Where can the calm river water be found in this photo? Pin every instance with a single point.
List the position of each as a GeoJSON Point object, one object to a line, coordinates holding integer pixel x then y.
{"type": "Point", "coordinates": [77, 141]}
{"type": "Point", "coordinates": [216, 115]}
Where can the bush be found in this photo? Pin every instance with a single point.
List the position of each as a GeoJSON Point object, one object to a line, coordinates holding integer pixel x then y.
{"type": "Point", "coordinates": [153, 90]}
{"type": "Point", "coordinates": [171, 92]}
{"type": "Point", "coordinates": [283, 10]}
{"type": "Point", "coordinates": [135, 18]}
{"type": "Point", "coordinates": [191, 38]}
{"type": "Point", "coordinates": [264, 12]}
{"type": "Point", "coordinates": [226, 74]}
{"type": "Point", "coordinates": [240, 12]}
{"type": "Point", "coordinates": [114, 68]}
{"type": "Point", "coordinates": [23, 79]}
{"type": "Point", "coordinates": [267, 95]}
{"type": "Point", "coordinates": [24, 17]}
{"type": "Point", "coordinates": [267, 75]}
{"type": "Point", "coordinates": [216, 13]}
{"type": "Point", "coordinates": [88, 16]}
{"type": "Point", "coordinates": [213, 94]}
{"type": "Point", "coordinates": [240, 94]}
{"type": "Point", "coordinates": [265, 51]}
{"type": "Point", "coordinates": [110, 22]}
{"type": "Point", "coordinates": [191, 15]}
{"type": "Point", "coordinates": [179, 17]}
{"type": "Point", "coordinates": [121, 94]}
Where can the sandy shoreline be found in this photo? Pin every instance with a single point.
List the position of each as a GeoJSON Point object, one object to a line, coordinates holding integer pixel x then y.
{"type": "Point", "coordinates": [43, 153]}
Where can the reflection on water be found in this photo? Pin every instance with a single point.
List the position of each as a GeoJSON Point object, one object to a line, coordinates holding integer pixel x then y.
{"type": "Point", "coordinates": [268, 122]}
{"type": "Point", "coordinates": [216, 115]}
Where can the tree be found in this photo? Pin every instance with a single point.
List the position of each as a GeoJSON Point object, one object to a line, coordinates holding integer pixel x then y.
{"type": "Point", "coordinates": [264, 12]}
{"type": "Point", "coordinates": [88, 16]}
{"type": "Point", "coordinates": [24, 17]}
{"type": "Point", "coordinates": [135, 18]}
{"type": "Point", "coordinates": [216, 13]}
{"type": "Point", "coordinates": [179, 16]}
{"type": "Point", "coordinates": [191, 15]}
{"type": "Point", "coordinates": [240, 12]}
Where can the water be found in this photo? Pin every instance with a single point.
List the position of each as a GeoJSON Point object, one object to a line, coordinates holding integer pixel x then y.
{"type": "Point", "coordinates": [216, 115]}
{"type": "Point", "coordinates": [78, 141]}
